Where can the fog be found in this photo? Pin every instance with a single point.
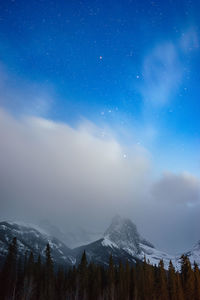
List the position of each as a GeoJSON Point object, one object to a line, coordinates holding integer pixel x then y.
{"type": "Point", "coordinates": [77, 177]}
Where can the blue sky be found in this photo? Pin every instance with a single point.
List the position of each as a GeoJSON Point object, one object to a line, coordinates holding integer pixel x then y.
{"type": "Point", "coordinates": [124, 71]}
{"type": "Point", "coordinates": [129, 65]}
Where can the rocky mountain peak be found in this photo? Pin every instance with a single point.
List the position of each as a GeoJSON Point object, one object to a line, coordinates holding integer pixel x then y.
{"type": "Point", "coordinates": [123, 232]}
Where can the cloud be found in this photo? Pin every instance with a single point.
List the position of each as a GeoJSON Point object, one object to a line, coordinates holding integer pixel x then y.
{"type": "Point", "coordinates": [23, 96]}
{"type": "Point", "coordinates": [49, 168]}
{"type": "Point", "coordinates": [163, 68]}
{"type": "Point", "coordinates": [162, 72]}
{"type": "Point", "coordinates": [181, 188]}
{"type": "Point", "coordinates": [77, 177]}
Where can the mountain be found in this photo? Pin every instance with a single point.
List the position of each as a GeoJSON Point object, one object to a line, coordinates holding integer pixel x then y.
{"type": "Point", "coordinates": [121, 240]}
{"type": "Point", "coordinates": [33, 238]}
{"type": "Point", "coordinates": [194, 254]}
{"type": "Point", "coordinates": [99, 253]}
{"type": "Point", "coordinates": [124, 242]}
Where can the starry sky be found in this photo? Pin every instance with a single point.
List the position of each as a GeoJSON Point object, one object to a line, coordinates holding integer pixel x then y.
{"type": "Point", "coordinates": [120, 72]}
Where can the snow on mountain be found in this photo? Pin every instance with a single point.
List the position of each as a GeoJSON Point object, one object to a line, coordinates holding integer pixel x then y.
{"type": "Point", "coordinates": [194, 254]}
{"type": "Point", "coordinates": [32, 238]}
{"type": "Point", "coordinates": [121, 240]}
{"type": "Point", "coordinates": [124, 242]}
{"type": "Point", "coordinates": [123, 234]}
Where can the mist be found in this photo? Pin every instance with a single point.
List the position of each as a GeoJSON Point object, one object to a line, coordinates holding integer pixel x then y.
{"type": "Point", "coordinates": [77, 177]}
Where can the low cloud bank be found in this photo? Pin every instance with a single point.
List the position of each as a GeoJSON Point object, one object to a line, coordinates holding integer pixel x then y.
{"type": "Point", "coordinates": [77, 177]}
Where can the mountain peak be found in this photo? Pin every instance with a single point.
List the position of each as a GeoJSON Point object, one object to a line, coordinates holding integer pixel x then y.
{"type": "Point", "coordinates": [123, 232]}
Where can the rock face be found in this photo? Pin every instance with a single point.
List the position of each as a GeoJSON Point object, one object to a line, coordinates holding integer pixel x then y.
{"type": "Point", "coordinates": [123, 233]}
{"type": "Point", "coordinates": [121, 240]}
{"type": "Point", "coordinates": [124, 242]}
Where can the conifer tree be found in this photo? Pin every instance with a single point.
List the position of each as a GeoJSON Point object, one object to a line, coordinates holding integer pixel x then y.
{"type": "Point", "coordinates": [179, 287]}
{"type": "Point", "coordinates": [49, 275]}
{"type": "Point", "coordinates": [127, 281]}
{"type": "Point", "coordinates": [29, 284]}
{"type": "Point", "coordinates": [120, 282]}
{"type": "Point", "coordinates": [39, 278]}
{"type": "Point", "coordinates": [187, 278]}
{"type": "Point", "coordinates": [60, 284]}
{"type": "Point", "coordinates": [196, 282]}
{"type": "Point", "coordinates": [83, 277]}
{"type": "Point", "coordinates": [9, 272]}
{"type": "Point", "coordinates": [111, 279]}
{"type": "Point", "coordinates": [171, 281]}
{"type": "Point", "coordinates": [162, 282]}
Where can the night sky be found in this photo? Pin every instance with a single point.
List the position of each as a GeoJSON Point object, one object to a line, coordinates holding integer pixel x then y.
{"type": "Point", "coordinates": [120, 73]}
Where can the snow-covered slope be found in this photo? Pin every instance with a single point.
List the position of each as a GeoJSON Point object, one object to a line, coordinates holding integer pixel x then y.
{"type": "Point", "coordinates": [32, 238]}
{"type": "Point", "coordinates": [194, 254]}
{"type": "Point", "coordinates": [124, 242]}
{"type": "Point", "coordinates": [121, 240]}
{"type": "Point", "coordinates": [123, 234]}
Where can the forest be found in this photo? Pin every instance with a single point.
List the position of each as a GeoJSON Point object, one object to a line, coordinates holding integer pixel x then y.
{"type": "Point", "coordinates": [31, 278]}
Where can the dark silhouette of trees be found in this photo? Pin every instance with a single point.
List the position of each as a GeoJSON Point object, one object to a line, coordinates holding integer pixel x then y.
{"type": "Point", "coordinates": [30, 278]}
{"type": "Point", "coordinates": [9, 272]}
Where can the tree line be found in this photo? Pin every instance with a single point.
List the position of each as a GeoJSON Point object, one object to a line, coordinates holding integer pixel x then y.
{"type": "Point", "coordinates": [27, 278]}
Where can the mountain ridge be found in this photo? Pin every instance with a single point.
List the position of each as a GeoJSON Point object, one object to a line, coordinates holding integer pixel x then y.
{"type": "Point", "coordinates": [121, 240]}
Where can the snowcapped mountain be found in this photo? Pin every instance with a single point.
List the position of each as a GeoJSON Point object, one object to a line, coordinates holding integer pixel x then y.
{"type": "Point", "coordinates": [194, 254]}
{"type": "Point", "coordinates": [124, 242]}
{"type": "Point", "coordinates": [121, 240]}
{"type": "Point", "coordinates": [32, 238]}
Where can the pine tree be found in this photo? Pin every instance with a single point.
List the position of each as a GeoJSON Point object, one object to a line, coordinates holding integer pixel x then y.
{"type": "Point", "coordinates": [49, 274]}
{"type": "Point", "coordinates": [60, 284]}
{"type": "Point", "coordinates": [127, 281]}
{"type": "Point", "coordinates": [29, 284]}
{"type": "Point", "coordinates": [9, 272]}
{"type": "Point", "coordinates": [83, 277]}
{"type": "Point", "coordinates": [162, 282]}
{"type": "Point", "coordinates": [111, 279]}
{"type": "Point", "coordinates": [120, 282]}
{"type": "Point", "coordinates": [39, 278]}
{"type": "Point", "coordinates": [196, 282]}
{"type": "Point", "coordinates": [187, 278]}
{"type": "Point", "coordinates": [179, 287]}
{"type": "Point", "coordinates": [171, 281]}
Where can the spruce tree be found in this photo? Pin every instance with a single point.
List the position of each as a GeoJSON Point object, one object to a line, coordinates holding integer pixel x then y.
{"type": "Point", "coordinates": [111, 279]}
{"type": "Point", "coordinates": [29, 284]}
{"type": "Point", "coordinates": [9, 272]}
{"type": "Point", "coordinates": [162, 282]}
{"type": "Point", "coordinates": [171, 281]}
{"type": "Point", "coordinates": [83, 277]}
{"type": "Point", "coordinates": [196, 282]}
{"type": "Point", "coordinates": [49, 274]}
{"type": "Point", "coordinates": [187, 278]}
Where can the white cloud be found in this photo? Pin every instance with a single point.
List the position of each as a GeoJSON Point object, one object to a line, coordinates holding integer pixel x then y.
{"type": "Point", "coordinates": [162, 72]}
{"type": "Point", "coordinates": [76, 176]}
{"type": "Point", "coordinates": [48, 167]}
{"type": "Point", "coordinates": [181, 189]}
{"type": "Point", "coordinates": [163, 68]}
{"type": "Point", "coordinates": [23, 96]}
